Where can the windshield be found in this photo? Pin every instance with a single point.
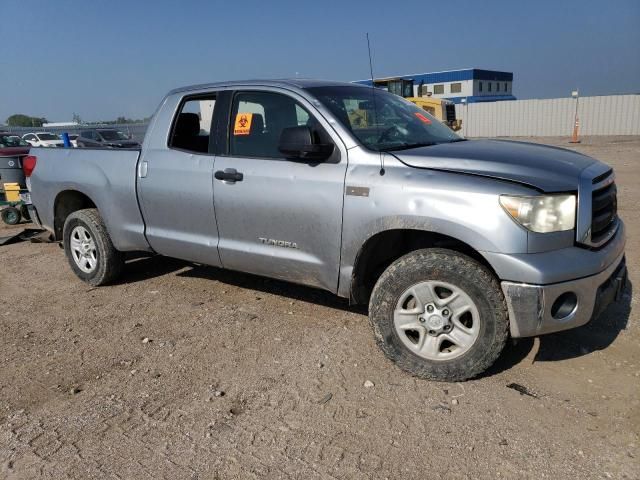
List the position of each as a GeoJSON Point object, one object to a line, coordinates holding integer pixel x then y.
{"type": "Point", "coordinates": [383, 121]}
{"type": "Point", "coordinates": [47, 136]}
{"type": "Point", "coordinates": [7, 141]}
{"type": "Point", "coordinates": [112, 135]}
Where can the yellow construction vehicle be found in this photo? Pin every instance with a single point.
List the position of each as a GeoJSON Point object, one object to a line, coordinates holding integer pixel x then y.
{"type": "Point", "coordinates": [444, 110]}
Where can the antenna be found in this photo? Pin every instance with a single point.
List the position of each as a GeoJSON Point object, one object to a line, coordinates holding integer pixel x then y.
{"type": "Point", "coordinates": [375, 107]}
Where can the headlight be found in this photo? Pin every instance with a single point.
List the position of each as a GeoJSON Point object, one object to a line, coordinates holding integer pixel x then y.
{"type": "Point", "coordinates": [543, 213]}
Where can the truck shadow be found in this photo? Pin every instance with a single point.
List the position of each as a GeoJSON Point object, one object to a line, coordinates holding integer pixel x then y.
{"type": "Point", "coordinates": [595, 335]}
{"type": "Point", "coordinates": [274, 287]}
{"type": "Point", "coordinates": [143, 266]}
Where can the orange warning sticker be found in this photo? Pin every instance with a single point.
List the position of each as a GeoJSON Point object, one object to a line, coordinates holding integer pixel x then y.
{"type": "Point", "coordinates": [422, 118]}
{"type": "Point", "coordinates": [243, 124]}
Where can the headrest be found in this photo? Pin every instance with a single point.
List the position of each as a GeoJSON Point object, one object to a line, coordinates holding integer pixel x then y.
{"type": "Point", "coordinates": [188, 125]}
{"type": "Point", "coordinates": [257, 124]}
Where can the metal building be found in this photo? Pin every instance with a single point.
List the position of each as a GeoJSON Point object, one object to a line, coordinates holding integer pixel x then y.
{"type": "Point", "coordinates": [471, 84]}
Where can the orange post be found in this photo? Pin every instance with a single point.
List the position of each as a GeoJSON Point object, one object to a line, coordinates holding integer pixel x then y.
{"type": "Point", "coordinates": [576, 123]}
{"type": "Point", "coordinates": [576, 128]}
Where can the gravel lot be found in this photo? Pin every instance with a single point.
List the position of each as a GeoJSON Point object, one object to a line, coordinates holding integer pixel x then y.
{"type": "Point", "coordinates": [189, 372]}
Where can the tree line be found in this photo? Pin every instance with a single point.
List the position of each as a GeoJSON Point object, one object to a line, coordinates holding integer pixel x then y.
{"type": "Point", "coordinates": [22, 120]}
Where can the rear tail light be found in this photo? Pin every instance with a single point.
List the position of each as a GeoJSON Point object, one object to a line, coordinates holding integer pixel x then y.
{"type": "Point", "coordinates": [29, 164]}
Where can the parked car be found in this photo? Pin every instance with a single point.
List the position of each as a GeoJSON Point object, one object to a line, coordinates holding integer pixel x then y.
{"type": "Point", "coordinates": [105, 137]}
{"type": "Point", "coordinates": [43, 139]}
{"type": "Point", "coordinates": [453, 244]}
{"type": "Point", "coordinates": [73, 138]}
{"type": "Point", "coordinates": [10, 142]}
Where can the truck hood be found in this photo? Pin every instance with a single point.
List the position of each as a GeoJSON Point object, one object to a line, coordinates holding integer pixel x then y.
{"type": "Point", "coordinates": [550, 169]}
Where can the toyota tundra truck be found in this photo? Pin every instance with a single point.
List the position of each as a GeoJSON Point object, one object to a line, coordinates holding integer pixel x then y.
{"type": "Point", "coordinates": [454, 244]}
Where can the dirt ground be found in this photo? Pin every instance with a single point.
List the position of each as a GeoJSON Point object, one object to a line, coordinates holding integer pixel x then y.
{"type": "Point", "coordinates": [188, 372]}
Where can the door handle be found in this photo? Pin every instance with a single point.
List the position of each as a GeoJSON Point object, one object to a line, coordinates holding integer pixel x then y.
{"type": "Point", "coordinates": [230, 175]}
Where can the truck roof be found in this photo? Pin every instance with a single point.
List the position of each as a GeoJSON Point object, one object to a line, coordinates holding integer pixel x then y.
{"type": "Point", "coordinates": [284, 82]}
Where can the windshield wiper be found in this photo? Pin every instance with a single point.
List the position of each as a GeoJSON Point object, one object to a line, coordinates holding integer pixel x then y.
{"type": "Point", "coordinates": [458, 140]}
{"type": "Point", "coordinates": [407, 146]}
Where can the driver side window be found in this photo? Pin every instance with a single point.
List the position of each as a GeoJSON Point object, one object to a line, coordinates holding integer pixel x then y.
{"type": "Point", "coordinates": [258, 119]}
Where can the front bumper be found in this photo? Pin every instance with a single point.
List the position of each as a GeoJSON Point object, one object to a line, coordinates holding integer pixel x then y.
{"type": "Point", "coordinates": [533, 309]}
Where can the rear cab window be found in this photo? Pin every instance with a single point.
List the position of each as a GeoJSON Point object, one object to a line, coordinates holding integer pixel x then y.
{"type": "Point", "coordinates": [192, 124]}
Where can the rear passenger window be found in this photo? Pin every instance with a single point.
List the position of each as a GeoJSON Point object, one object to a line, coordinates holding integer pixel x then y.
{"type": "Point", "coordinates": [257, 120]}
{"type": "Point", "coordinates": [192, 125]}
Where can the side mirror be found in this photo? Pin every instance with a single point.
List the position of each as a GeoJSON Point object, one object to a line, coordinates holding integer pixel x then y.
{"type": "Point", "coordinates": [297, 143]}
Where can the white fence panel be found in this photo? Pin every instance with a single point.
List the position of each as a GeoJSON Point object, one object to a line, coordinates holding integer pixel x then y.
{"type": "Point", "coordinates": [602, 115]}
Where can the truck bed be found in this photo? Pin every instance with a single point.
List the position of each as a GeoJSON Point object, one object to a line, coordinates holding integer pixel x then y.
{"type": "Point", "coordinates": [106, 177]}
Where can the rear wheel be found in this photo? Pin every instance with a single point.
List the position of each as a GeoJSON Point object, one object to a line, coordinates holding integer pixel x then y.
{"type": "Point", "coordinates": [89, 249]}
{"type": "Point", "coordinates": [439, 314]}
{"type": "Point", "coordinates": [10, 215]}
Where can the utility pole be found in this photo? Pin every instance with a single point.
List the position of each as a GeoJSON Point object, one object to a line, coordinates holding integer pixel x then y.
{"type": "Point", "coordinates": [576, 122]}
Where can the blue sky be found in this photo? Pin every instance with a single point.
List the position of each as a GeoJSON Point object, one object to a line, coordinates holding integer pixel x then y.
{"type": "Point", "coordinates": [103, 59]}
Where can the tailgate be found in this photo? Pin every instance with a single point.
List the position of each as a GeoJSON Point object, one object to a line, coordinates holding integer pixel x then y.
{"type": "Point", "coordinates": [11, 170]}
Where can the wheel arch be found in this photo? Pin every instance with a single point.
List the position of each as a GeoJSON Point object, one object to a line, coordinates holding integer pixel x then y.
{"type": "Point", "coordinates": [67, 202]}
{"type": "Point", "coordinates": [385, 247]}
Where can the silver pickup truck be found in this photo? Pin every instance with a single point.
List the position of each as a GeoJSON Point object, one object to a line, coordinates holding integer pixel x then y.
{"type": "Point", "coordinates": [454, 244]}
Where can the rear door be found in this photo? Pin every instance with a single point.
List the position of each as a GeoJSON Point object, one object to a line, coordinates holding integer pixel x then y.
{"type": "Point", "coordinates": [279, 218]}
{"type": "Point", "coordinates": [175, 183]}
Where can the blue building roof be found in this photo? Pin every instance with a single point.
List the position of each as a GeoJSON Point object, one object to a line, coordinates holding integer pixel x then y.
{"type": "Point", "coordinates": [452, 76]}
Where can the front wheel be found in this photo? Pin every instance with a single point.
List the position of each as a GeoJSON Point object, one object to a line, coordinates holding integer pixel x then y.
{"type": "Point", "coordinates": [439, 314]}
{"type": "Point", "coordinates": [89, 249]}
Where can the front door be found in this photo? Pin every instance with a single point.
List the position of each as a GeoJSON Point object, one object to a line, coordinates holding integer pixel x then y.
{"type": "Point", "coordinates": [277, 217]}
{"type": "Point", "coordinates": [175, 186]}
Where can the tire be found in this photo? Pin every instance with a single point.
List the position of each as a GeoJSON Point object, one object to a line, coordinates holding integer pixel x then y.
{"type": "Point", "coordinates": [89, 249]}
{"type": "Point", "coordinates": [24, 211]}
{"type": "Point", "coordinates": [445, 345]}
{"type": "Point", "coordinates": [10, 215]}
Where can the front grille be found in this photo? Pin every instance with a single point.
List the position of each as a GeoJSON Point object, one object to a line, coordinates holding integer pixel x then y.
{"type": "Point", "coordinates": [604, 211]}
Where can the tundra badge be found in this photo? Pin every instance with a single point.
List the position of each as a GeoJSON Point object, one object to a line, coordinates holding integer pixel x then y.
{"type": "Point", "coordinates": [278, 243]}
